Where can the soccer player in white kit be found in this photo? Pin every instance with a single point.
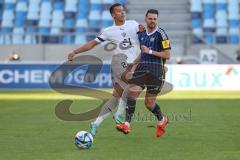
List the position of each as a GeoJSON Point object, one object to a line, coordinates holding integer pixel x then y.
{"type": "Point", "coordinates": [123, 34]}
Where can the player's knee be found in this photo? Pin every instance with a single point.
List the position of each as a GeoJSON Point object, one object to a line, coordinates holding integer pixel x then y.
{"type": "Point", "coordinates": [118, 90]}
{"type": "Point", "coordinates": [134, 91]}
{"type": "Point", "coordinates": [149, 103]}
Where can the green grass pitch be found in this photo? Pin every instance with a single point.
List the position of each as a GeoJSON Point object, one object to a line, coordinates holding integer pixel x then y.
{"type": "Point", "coordinates": [199, 129]}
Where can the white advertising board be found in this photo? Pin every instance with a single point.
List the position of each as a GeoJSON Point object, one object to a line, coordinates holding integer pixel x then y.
{"type": "Point", "coordinates": [204, 77]}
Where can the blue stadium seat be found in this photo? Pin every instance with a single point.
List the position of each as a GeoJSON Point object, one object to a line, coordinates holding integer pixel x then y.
{"type": "Point", "coordinates": [1, 16]}
{"type": "Point", "coordinates": [33, 10]}
{"type": "Point", "coordinates": [55, 37]}
{"type": "Point", "coordinates": [68, 39]}
{"type": "Point", "coordinates": [55, 31]}
{"type": "Point", "coordinates": [208, 9]}
{"type": "Point", "coordinates": [34, 5]}
{"type": "Point", "coordinates": [82, 22]}
{"type": "Point", "coordinates": [18, 35]}
{"type": "Point", "coordinates": [196, 23]}
{"type": "Point", "coordinates": [83, 9]}
{"type": "Point", "coordinates": [44, 35]}
{"type": "Point", "coordinates": [80, 39]}
{"type": "Point", "coordinates": [208, 39]}
{"type": "Point", "coordinates": [108, 1]}
{"type": "Point", "coordinates": [221, 18]}
{"type": "Point", "coordinates": [43, 30]}
{"type": "Point", "coordinates": [44, 16]}
{"type": "Point", "coordinates": [121, 1]}
{"type": "Point", "coordinates": [7, 23]}
{"type": "Point", "coordinates": [81, 28]}
{"type": "Point", "coordinates": [10, 1]}
{"type": "Point", "coordinates": [234, 22]}
{"type": "Point", "coordinates": [90, 37]}
{"type": "Point", "coordinates": [106, 19]}
{"type": "Point", "coordinates": [221, 4]}
{"type": "Point", "coordinates": [30, 36]}
{"type": "Point", "coordinates": [57, 23]}
{"type": "Point", "coordinates": [233, 16]}
{"type": "Point", "coordinates": [95, 5]}
{"type": "Point", "coordinates": [94, 19]}
{"type": "Point", "coordinates": [44, 23]}
{"type": "Point", "coordinates": [57, 14]}
{"type": "Point", "coordinates": [209, 25]}
{"type": "Point", "coordinates": [106, 4]}
{"type": "Point", "coordinates": [196, 6]}
{"type": "Point", "coordinates": [46, 7]}
{"type": "Point", "coordinates": [58, 5]}
{"type": "Point", "coordinates": [9, 6]}
{"type": "Point", "coordinates": [32, 15]}
{"type": "Point", "coordinates": [21, 6]}
{"type": "Point", "coordinates": [5, 37]}
{"type": "Point", "coordinates": [20, 19]}
{"type": "Point", "coordinates": [71, 6]}
{"type": "Point", "coordinates": [8, 15]}
{"type": "Point", "coordinates": [208, 21]}
{"type": "Point", "coordinates": [221, 35]}
{"type": "Point", "coordinates": [234, 35]}
{"type": "Point", "coordinates": [197, 35]}
{"type": "Point", "coordinates": [69, 23]}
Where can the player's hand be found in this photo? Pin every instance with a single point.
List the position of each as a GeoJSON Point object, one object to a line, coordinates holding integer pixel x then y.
{"type": "Point", "coordinates": [144, 49]}
{"type": "Point", "coordinates": [71, 56]}
{"type": "Point", "coordinates": [141, 28]}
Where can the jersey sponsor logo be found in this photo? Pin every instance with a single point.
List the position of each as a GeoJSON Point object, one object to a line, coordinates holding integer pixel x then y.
{"type": "Point", "coordinates": [125, 44]}
{"type": "Point", "coordinates": [152, 39]}
{"type": "Point", "coordinates": [166, 44]}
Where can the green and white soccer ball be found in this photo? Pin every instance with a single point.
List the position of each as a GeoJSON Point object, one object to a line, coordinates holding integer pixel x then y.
{"type": "Point", "coordinates": [83, 140]}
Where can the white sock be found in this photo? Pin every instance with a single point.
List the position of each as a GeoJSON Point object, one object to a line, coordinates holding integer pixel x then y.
{"type": "Point", "coordinates": [100, 119]}
{"type": "Point", "coordinates": [106, 110]}
{"type": "Point", "coordinates": [121, 107]}
{"type": "Point", "coordinates": [128, 124]}
{"type": "Point", "coordinates": [161, 122]}
{"type": "Point", "coordinates": [123, 102]}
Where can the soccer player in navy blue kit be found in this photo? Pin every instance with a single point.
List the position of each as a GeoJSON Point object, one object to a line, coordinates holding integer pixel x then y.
{"type": "Point", "coordinates": [149, 73]}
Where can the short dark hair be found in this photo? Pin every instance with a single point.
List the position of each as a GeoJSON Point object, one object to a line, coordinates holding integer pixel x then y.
{"type": "Point", "coordinates": [111, 9]}
{"type": "Point", "coordinates": [153, 11]}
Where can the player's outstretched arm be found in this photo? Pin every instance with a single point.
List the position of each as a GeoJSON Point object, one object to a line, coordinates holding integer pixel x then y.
{"type": "Point", "coordinates": [84, 48]}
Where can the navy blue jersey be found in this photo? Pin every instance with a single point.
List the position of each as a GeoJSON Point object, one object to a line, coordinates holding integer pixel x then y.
{"type": "Point", "coordinates": [156, 41]}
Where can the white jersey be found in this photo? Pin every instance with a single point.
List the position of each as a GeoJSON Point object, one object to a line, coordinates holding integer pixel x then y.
{"type": "Point", "coordinates": [124, 38]}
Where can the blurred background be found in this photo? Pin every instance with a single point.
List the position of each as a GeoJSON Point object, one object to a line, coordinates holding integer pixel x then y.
{"type": "Point", "coordinates": [45, 31]}
{"type": "Point", "coordinates": [203, 108]}
{"type": "Point", "coordinates": [201, 31]}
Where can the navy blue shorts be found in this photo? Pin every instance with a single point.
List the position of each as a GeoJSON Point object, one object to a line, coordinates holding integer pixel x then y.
{"type": "Point", "coordinates": [144, 78]}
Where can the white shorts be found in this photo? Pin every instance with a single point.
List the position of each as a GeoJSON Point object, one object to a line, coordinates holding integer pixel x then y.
{"type": "Point", "coordinates": [118, 67]}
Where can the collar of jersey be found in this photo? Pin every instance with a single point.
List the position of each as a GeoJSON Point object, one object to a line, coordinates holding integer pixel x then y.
{"type": "Point", "coordinates": [119, 26]}
{"type": "Point", "coordinates": [152, 32]}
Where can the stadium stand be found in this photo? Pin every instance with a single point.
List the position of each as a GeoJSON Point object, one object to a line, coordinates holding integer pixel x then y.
{"type": "Point", "coordinates": [192, 25]}
{"type": "Point", "coordinates": [52, 21]}
{"type": "Point", "coordinates": [215, 21]}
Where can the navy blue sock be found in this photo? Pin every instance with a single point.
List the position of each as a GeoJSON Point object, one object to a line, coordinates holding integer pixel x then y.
{"type": "Point", "coordinates": [131, 104]}
{"type": "Point", "coordinates": [157, 112]}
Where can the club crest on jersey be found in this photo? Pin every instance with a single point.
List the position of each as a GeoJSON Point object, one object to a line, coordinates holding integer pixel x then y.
{"type": "Point", "coordinates": [123, 34]}
{"type": "Point", "coordinates": [152, 39]}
